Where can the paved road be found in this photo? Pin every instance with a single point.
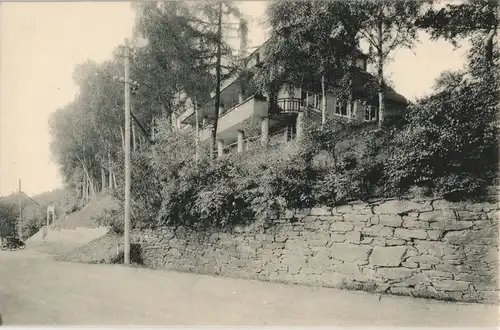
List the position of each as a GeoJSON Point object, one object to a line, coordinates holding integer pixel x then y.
{"type": "Point", "coordinates": [34, 290]}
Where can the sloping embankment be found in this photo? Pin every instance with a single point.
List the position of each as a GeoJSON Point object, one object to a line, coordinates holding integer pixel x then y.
{"type": "Point", "coordinates": [74, 230]}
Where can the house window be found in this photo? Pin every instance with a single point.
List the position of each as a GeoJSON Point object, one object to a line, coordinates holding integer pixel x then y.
{"type": "Point", "coordinates": [341, 109]}
{"type": "Point", "coordinates": [361, 63]}
{"type": "Point", "coordinates": [371, 113]}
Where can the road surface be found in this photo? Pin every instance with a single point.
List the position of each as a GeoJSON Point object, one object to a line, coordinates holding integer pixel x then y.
{"type": "Point", "coordinates": [35, 290]}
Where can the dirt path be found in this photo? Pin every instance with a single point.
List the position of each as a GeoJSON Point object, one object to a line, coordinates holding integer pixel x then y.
{"type": "Point", "coordinates": [35, 290]}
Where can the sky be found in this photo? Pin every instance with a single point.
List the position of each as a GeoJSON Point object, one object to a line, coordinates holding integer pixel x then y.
{"type": "Point", "coordinates": [41, 42]}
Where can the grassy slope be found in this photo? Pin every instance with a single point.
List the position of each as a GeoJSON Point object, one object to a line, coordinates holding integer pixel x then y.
{"type": "Point", "coordinates": [94, 251]}
{"type": "Point", "coordinates": [100, 250]}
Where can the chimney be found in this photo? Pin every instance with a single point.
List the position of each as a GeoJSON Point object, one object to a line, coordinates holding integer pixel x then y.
{"type": "Point", "coordinates": [243, 33]}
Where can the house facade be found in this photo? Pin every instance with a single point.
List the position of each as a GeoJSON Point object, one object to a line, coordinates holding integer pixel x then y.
{"type": "Point", "coordinates": [245, 115]}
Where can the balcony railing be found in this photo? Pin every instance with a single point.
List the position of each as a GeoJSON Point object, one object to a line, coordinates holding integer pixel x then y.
{"type": "Point", "coordinates": [289, 105]}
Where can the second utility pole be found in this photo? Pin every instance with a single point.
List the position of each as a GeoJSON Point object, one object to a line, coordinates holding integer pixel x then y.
{"type": "Point", "coordinates": [20, 211]}
{"type": "Point", "coordinates": [126, 234]}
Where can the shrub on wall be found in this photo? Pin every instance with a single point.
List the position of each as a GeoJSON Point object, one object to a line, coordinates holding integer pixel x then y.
{"type": "Point", "coordinates": [450, 144]}
{"type": "Point", "coordinates": [347, 160]}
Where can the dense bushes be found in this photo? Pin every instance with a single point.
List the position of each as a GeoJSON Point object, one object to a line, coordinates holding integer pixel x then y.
{"type": "Point", "coordinates": [450, 145]}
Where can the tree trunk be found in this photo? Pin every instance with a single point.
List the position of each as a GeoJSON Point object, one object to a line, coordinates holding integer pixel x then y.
{"type": "Point", "coordinates": [123, 137]}
{"type": "Point", "coordinates": [114, 180]}
{"type": "Point", "coordinates": [323, 101]}
{"type": "Point", "coordinates": [103, 178]}
{"type": "Point", "coordinates": [380, 75]}
{"type": "Point", "coordinates": [218, 78]}
{"type": "Point", "coordinates": [134, 146]}
{"type": "Point", "coordinates": [197, 131]}
{"type": "Point", "coordinates": [91, 186]}
{"type": "Point", "coordinates": [84, 190]}
{"type": "Point", "coordinates": [153, 128]}
{"type": "Point", "coordinates": [110, 172]}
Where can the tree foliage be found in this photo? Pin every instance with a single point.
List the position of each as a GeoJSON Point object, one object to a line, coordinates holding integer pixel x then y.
{"type": "Point", "coordinates": [176, 62]}
{"type": "Point", "coordinates": [308, 39]}
{"type": "Point", "coordinates": [476, 19]}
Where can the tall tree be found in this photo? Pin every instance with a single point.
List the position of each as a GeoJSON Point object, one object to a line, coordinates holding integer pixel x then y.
{"type": "Point", "coordinates": [186, 41]}
{"type": "Point", "coordinates": [386, 26]}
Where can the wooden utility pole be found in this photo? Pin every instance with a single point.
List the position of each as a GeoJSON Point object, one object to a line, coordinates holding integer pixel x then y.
{"type": "Point", "coordinates": [217, 78]}
{"type": "Point", "coordinates": [20, 211]}
{"type": "Point", "coordinates": [126, 236]}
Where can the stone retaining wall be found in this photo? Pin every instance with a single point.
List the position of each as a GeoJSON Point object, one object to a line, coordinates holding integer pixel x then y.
{"type": "Point", "coordinates": [427, 248]}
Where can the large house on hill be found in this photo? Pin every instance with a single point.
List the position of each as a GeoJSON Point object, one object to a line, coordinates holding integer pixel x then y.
{"type": "Point", "coordinates": [240, 104]}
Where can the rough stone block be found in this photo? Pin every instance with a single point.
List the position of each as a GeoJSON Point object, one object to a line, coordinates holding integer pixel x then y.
{"type": "Point", "coordinates": [351, 253]}
{"type": "Point", "coordinates": [395, 242]}
{"type": "Point", "coordinates": [374, 220]}
{"type": "Point", "coordinates": [297, 248]}
{"type": "Point", "coordinates": [442, 204]}
{"type": "Point", "coordinates": [276, 246]}
{"type": "Point", "coordinates": [379, 241]}
{"type": "Point", "coordinates": [468, 215]}
{"type": "Point", "coordinates": [484, 236]}
{"type": "Point", "coordinates": [412, 223]}
{"type": "Point", "coordinates": [312, 224]}
{"type": "Point", "coordinates": [342, 209]}
{"type": "Point", "coordinates": [451, 285]}
{"type": "Point", "coordinates": [410, 233]}
{"type": "Point", "coordinates": [401, 291]}
{"type": "Point", "coordinates": [253, 244]}
{"type": "Point", "coordinates": [280, 238]}
{"type": "Point", "coordinates": [490, 296]}
{"type": "Point", "coordinates": [332, 279]}
{"type": "Point", "coordinates": [319, 240]}
{"type": "Point", "coordinates": [294, 269]}
{"type": "Point", "coordinates": [475, 207]}
{"type": "Point", "coordinates": [353, 237]}
{"type": "Point", "coordinates": [401, 206]}
{"type": "Point", "coordinates": [321, 260]}
{"type": "Point", "coordinates": [377, 230]}
{"type": "Point", "coordinates": [346, 268]}
{"type": "Point", "coordinates": [341, 227]}
{"type": "Point", "coordinates": [424, 259]}
{"type": "Point", "coordinates": [381, 288]}
{"type": "Point", "coordinates": [438, 249]}
{"type": "Point", "coordinates": [367, 240]}
{"type": "Point", "coordinates": [321, 211]}
{"type": "Point", "coordinates": [419, 279]}
{"type": "Point", "coordinates": [434, 235]}
{"type": "Point", "coordinates": [358, 218]}
{"type": "Point", "coordinates": [390, 220]}
{"type": "Point", "coordinates": [436, 274]}
{"type": "Point", "coordinates": [395, 273]}
{"type": "Point", "coordinates": [338, 238]}
{"type": "Point", "coordinates": [387, 256]}
{"type": "Point", "coordinates": [409, 264]}
{"type": "Point", "coordinates": [450, 224]}
{"type": "Point", "coordinates": [330, 218]}
{"type": "Point", "coordinates": [482, 223]}
{"type": "Point", "coordinates": [362, 208]}
{"type": "Point", "coordinates": [494, 215]}
{"type": "Point", "coordinates": [490, 206]}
